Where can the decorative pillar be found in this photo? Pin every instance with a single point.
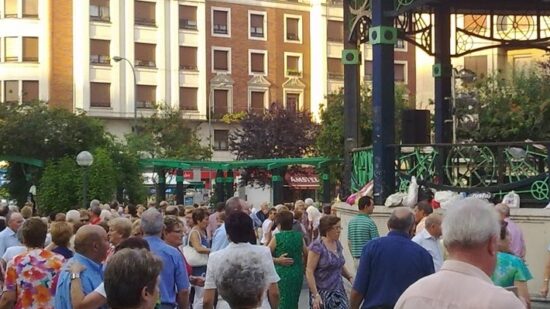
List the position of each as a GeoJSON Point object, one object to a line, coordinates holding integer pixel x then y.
{"type": "Point", "coordinates": [351, 59]}
{"type": "Point", "coordinates": [179, 186]}
{"type": "Point", "coordinates": [277, 186]}
{"type": "Point", "coordinates": [161, 185]}
{"type": "Point", "coordinates": [325, 181]}
{"type": "Point", "coordinates": [229, 184]}
{"type": "Point", "coordinates": [383, 36]}
{"type": "Point", "coordinates": [219, 190]}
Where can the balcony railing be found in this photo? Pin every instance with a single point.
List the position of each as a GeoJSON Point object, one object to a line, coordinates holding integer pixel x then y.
{"type": "Point", "coordinates": [492, 168]}
{"type": "Point", "coordinates": [99, 13]}
{"type": "Point", "coordinates": [188, 24]}
{"type": "Point", "coordinates": [145, 22]}
{"type": "Point", "coordinates": [292, 37]}
{"type": "Point", "coordinates": [99, 59]}
{"type": "Point", "coordinates": [293, 72]}
{"type": "Point", "coordinates": [335, 75]}
{"type": "Point", "coordinates": [257, 32]}
{"type": "Point", "coordinates": [188, 67]}
{"type": "Point", "coordinates": [145, 104]}
{"type": "Point", "coordinates": [11, 59]}
{"type": "Point", "coordinates": [220, 29]}
{"type": "Point", "coordinates": [145, 63]}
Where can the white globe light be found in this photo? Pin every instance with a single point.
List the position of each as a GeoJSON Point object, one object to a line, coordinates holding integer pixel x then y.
{"type": "Point", "coordinates": [84, 158]}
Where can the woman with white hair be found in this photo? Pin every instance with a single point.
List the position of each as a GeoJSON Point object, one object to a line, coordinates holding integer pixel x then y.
{"type": "Point", "coordinates": [314, 216]}
{"type": "Point", "coordinates": [73, 216]}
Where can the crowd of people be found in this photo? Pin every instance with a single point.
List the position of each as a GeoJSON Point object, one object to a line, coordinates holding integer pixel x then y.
{"type": "Point", "coordinates": [239, 256]}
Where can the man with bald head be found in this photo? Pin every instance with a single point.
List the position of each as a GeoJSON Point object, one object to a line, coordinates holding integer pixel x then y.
{"type": "Point", "coordinates": [390, 264]}
{"type": "Point", "coordinates": [220, 240]}
{"type": "Point", "coordinates": [91, 244]}
{"type": "Point", "coordinates": [428, 238]}
{"type": "Point", "coordinates": [8, 237]}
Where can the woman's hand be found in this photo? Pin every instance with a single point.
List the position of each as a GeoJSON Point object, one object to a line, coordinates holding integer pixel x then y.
{"type": "Point", "coordinates": [76, 267]}
{"type": "Point", "coordinates": [317, 301]}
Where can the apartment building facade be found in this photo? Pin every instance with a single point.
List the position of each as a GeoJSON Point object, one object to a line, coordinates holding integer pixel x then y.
{"type": "Point", "coordinates": [207, 58]}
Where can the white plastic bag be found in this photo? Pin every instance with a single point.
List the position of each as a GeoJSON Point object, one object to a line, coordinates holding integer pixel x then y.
{"type": "Point", "coordinates": [511, 199]}
{"type": "Point", "coordinates": [446, 198]}
{"type": "Point", "coordinates": [395, 199]}
{"type": "Point", "coordinates": [412, 194]}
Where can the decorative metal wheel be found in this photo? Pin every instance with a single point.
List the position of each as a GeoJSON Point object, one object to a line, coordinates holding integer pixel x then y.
{"type": "Point", "coordinates": [540, 190]}
{"type": "Point", "coordinates": [471, 166]}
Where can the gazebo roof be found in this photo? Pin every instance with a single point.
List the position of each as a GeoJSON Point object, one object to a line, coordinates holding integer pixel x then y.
{"type": "Point", "coordinates": [484, 7]}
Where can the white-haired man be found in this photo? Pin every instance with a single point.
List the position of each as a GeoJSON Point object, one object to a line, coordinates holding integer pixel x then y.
{"type": "Point", "coordinates": [471, 229]}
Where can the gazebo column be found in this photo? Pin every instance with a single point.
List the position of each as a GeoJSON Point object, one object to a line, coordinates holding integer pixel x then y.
{"type": "Point", "coordinates": [229, 179]}
{"type": "Point", "coordinates": [277, 186]}
{"type": "Point", "coordinates": [325, 182]}
{"type": "Point", "coordinates": [442, 73]}
{"type": "Point", "coordinates": [179, 186]}
{"type": "Point", "coordinates": [219, 190]}
{"type": "Point", "coordinates": [161, 185]}
{"type": "Point", "coordinates": [383, 37]}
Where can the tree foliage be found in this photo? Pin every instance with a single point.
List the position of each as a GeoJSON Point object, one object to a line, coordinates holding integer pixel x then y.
{"type": "Point", "coordinates": [513, 107]}
{"type": "Point", "coordinates": [59, 187]}
{"type": "Point", "coordinates": [276, 133]}
{"type": "Point", "coordinates": [165, 134]}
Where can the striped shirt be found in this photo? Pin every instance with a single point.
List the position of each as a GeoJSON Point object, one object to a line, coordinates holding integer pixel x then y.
{"type": "Point", "coordinates": [361, 229]}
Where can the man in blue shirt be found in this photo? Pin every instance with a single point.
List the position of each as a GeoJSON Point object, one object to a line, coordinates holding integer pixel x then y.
{"type": "Point", "coordinates": [91, 244]}
{"type": "Point", "coordinates": [389, 265]}
{"type": "Point", "coordinates": [8, 237]}
{"type": "Point", "coordinates": [220, 240]}
{"type": "Point", "coordinates": [174, 280]}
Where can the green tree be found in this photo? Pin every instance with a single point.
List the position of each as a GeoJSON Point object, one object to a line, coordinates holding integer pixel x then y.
{"type": "Point", "coordinates": [59, 187]}
{"type": "Point", "coordinates": [165, 134]}
{"type": "Point", "coordinates": [102, 177]}
{"type": "Point", "coordinates": [128, 173]}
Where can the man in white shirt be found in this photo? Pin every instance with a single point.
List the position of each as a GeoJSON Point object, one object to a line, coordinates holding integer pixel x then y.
{"type": "Point", "coordinates": [428, 238]}
{"type": "Point", "coordinates": [238, 226]}
{"type": "Point", "coordinates": [266, 226]}
{"type": "Point", "coordinates": [8, 237]}
{"type": "Point", "coordinates": [471, 229]}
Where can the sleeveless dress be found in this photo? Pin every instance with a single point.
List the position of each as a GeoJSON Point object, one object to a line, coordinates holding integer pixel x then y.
{"type": "Point", "coordinates": [292, 277]}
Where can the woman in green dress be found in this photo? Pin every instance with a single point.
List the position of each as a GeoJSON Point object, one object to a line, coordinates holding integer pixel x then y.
{"type": "Point", "coordinates": [289, 249]}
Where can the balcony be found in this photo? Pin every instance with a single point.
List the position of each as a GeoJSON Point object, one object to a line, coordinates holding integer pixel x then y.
{"type": "Point", "coordinates": [145, 104]}
{"type": "Point", "coordinates": [99, 13]}
{"type": "Point", "coordinates": [188, 24]}
{"type": "Point", "coordinates": [145, 63]}
{"type": "Point", "coordinates": [293, 72]}
{"type": "Point", "coordinates": [220, 29]}
{"type": "Point", "coordinates": [188, 67]}
{"type": "Point", "coordinates": [292, 37]}
{"type": "Point", "coordinates": [98, 59]}
{"type": "Point", "coordinates": [257, 32]}
{"type": "Point", "coordinates": [147, 22]}
{"type": "Point", "coordinates": [335, 75]}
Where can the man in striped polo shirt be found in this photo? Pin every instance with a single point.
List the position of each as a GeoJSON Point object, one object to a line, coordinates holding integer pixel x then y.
{"type": "Point", "coordinates": [361, 229]}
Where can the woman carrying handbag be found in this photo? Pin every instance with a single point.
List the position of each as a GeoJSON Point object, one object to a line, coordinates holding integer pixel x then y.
{"type": "Point", "coordinates": [196, 251]}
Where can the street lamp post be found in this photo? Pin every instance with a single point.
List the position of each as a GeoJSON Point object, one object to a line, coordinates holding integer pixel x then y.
{"type": "Point", "coordinates": [84, 159]}
{"type": "Point", "coordinates": [466, 76]}
{"type": "Point", "coordinates": [118, 59]}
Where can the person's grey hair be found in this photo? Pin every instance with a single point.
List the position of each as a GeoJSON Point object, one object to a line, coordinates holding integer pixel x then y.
{"type": "Point", "coordinates": [105, 215]}
{"type": "Point", "coordinates": [470, 222]}
{"type": "Point", "coordinates": [401, 219]}
{"type": "Point", "coordinates": [96, 209]}
{"type": "Point", "coordinates": [503, 209]}
{"type": "Point", "coordinates": [72, 216]}
{"type": "Point", "coordinates": [13, 208]}
{"type": "Point", "coordinates": [151, 222]}
{"type": "Point", "coordinates": [122, 225]}
{"type": "Point", "coordinates": [242, 279]}
{"type": "Point", "coordinates": [308, 201]}
{"type": "Point", "coordinates": [433, 219]}
{"type": "Point", "coordinates": [233, 204]}
{"type": "Point", "coordinates": [95, 202]}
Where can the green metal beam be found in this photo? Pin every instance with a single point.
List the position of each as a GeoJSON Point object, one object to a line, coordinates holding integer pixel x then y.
{"type": "Point", "coordinates": [24, 160]}
{"type": "Point", "coordinates": [268, 164]}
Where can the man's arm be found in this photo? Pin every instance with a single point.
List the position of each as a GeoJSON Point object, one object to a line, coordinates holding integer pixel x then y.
{"type": "Point", "coordinates": [183, 298]}
{"type": "Point", "coordinates": [273, 295]}
{"type": "Point", "coordinates": [8, 300]}
{"type": "Point", "coordinates": [208, 298]}
{"type": "Point", "coordinates": [546, 278]}
{"type": "Point", "coordinates": [355, 299]}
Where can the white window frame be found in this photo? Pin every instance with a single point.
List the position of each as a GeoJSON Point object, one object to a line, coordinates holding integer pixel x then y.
{"type": "Point", "coordinates": [265, 90]}
{"type": "Point", "coordinates": [228, 49]}
{"type": "Point", "coordinates": [217, 8]}
{"type": "Point", "coordinates": [229, 98]}
{"type": "Point", "coordinates": [250, 13]}
{"type": "Point", "coordinates": [405, 68]}
{"type": "Point", "coordinates": [296, 91]}
{"type": "Point", "coordinates": [405, 46]}
{"type": "Point", "coordinates": [266, 61]}
{"type": "Point", "coordinates": [300, 64]}
{"type": "Point", "coordinates": [300, 29]}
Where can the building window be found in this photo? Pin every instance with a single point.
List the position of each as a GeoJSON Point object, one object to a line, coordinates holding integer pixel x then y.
{"type": "Point", "coordinates": [99, 10]}
{"type": "Point", "coordinates": [335, 68]}
{"type": "Point", "coordinates": [11, 50]}
{"type": "Point", "coordinates": [221, 140]}
{"type": "Point", "coordinates": [145, 55]}
{"type": "Point", "coordinates": [257, 101]}
{"type": "Point", "coordinates": [146, 96]}
{"type": "Point", "coordinates": [30, 91]}
{"type": "Point", "coordinates": [10, 8]}
{"type": "Point", "coordinates": [188, 58]}
{"type": "Point", "coordinates": [399, 72]}
{"type": "Point", "coordinates": [400, 44]}
{"type": "Point", "coordinates": [292, 101]}
{"type": "Point", "coordinates": [221, 60]}
{"type": "Point", "coordinates": [188, 17]}
{"type": "Point", "coordinates": [293, 65]}
{"type": "Point", "coordinates": [220, 102]}
{"type": "Point", "coordinates": [100, 95]}
{"type": "Point", "coordinates": [220, 22]}
{"type": "Point", "coordinates": [293, 29]}
{"type": "Point", "coordinates": [188, 99]}
{"type": "Point", "coordinates": [11, 91]}
{"type": "Point", "coordinates": [257, 25]}
{"type": "Point", "coordinates": [99, 51]}
{"type": "Point", "coordinates": [368, 70]}
{"type": "Point", "coordinates": [30, 49]}
{"type": "Point", "coordinates": [30, 8]}
{"type": "Point", "coordinates": [257, 63]}
{"type": "Point", "coordinates": [477, 64]}
{"type": "Point", "coordinates": [335, 31]}
{"type": "Point", "coordinates": [144, 13]}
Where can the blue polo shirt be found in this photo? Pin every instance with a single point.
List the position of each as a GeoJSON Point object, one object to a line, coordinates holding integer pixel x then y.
{"type": "Point", "coordinates": [219, 240]}
{"type": "Point", "coordinates": [90, 278]}
{"type": "Point", "coordinates": [388, 266]}
{"type": "Point", "coordinates": [173, 277]}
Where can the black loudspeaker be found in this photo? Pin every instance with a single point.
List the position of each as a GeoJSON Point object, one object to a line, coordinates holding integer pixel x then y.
{"type": "Point", "coordinates": [415, 126]}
